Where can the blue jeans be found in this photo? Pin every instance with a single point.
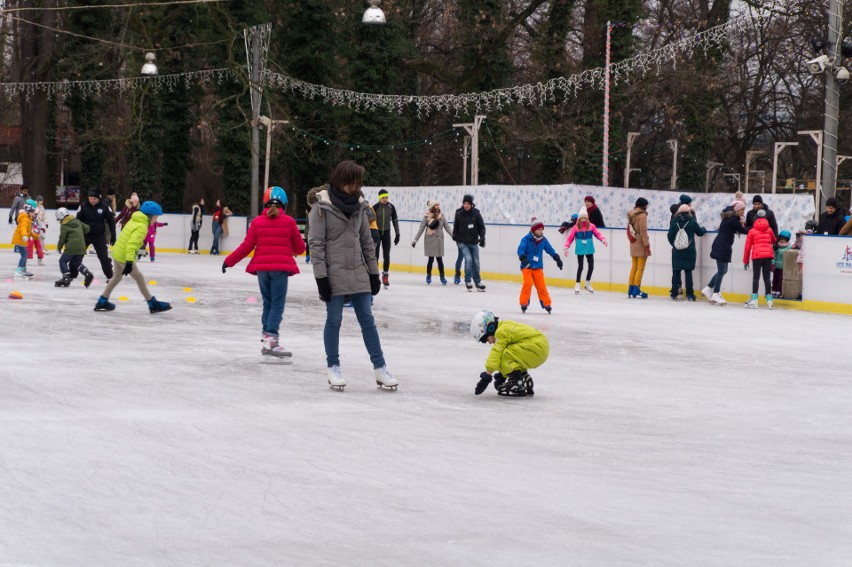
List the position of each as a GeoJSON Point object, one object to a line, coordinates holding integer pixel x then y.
{"type": "Point", "coordinates": [716, 280]}
{"type": "Point", "coordinates": [471, 262]}
{"type": "Point", "coordinates": [364, 313]}
{"type": "Point", "coordinates": [217, 232]}
{"type": "Point", "coordinates": [22, 262]}
{"type": "Point", "coordinates": [273, 290]}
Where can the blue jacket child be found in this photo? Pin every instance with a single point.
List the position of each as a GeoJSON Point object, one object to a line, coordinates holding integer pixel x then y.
{"type": "Point", "coordinates": [531, 253]}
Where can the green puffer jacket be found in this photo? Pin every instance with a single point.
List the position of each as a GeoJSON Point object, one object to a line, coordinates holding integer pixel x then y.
{"type": "Point", "coordinates": [71, 236]}
{"type": "Point", "coordinates": [517, 347]}
{"type": "Point", "coordinates": [131, 238]}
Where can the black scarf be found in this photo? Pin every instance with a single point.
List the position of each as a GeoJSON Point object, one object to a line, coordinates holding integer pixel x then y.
{"type": "Point", "coordinates": [348, 204]}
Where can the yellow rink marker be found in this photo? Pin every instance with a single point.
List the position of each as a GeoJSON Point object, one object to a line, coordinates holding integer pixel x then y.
{"type": "Point", "coordinates": [123, 298]}
{"type": "Point", "coordinates": [152, 282]}
{"type": "Point", "coordinates": [190, 299]}
{"type": "Point", "coordinates": [187, 289]}
{"type": "Point", "coordinates": [16, 295]}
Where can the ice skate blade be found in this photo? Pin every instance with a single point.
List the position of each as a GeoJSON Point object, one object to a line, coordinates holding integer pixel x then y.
{"type": "Point", "coordinates": [384, 387]}
{"type": "Point", "coordinates": [338, 388]}
{"type": "Point", "coordinates": [282, 360]}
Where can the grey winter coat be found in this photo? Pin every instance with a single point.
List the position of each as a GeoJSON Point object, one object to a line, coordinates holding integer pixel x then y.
{"type": "Point", "coordinates": [433, 244]}
{"type": "Point", "coordinates": [342, 249]}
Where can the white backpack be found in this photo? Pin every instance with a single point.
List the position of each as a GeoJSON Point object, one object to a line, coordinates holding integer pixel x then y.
{"type": "Point", "coordinates": [681, 241]}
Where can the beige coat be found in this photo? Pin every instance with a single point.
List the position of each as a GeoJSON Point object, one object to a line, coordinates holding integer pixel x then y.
{"type": "Point", "coordinates": [433, 244]}
{"type": "Point", "coordinates": [342, 249]}
{"type": "Point", "coordinates": [638, 219]}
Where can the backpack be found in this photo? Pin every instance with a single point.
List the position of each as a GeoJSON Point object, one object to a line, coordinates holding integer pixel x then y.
{"type": "Point", "coordinates": [681, 241]}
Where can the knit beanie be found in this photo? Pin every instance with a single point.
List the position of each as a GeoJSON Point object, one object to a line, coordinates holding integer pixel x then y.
{"type": "Point", "coordinates": [761, 213]}
{"type": "Point", "coordinates": [641, 202]}
{"type": "Point", "coordinates": [738, 206]}
{"type": "Point", "coordinates": [831, 202]}
{"type": "Point", "coordinates": [582, 213]}
{"type": "Point", "coordinates": [468, 199]}
{"type": "Point", "coordinates": [431, 203]}
{"type": "Point", "coordinates": [685, 199]}
{"type": "Point", "coordinates": [589, 198]}
{"type": "Point", "coordinates": [757, 199]}
{"type": "Point", "coordinates": [536, 224]}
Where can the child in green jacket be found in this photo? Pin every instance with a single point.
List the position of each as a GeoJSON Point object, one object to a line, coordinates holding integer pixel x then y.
{"type": "Point", "coordinates": [124, 253]}
{"type": "Point", "coordinates": [72, 246]}
{"type": "Point", "coordinates": [517, 348]}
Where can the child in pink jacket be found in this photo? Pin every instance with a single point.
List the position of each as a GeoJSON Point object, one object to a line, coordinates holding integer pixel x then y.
{"type": "Point", "coordinates": [152, 235]}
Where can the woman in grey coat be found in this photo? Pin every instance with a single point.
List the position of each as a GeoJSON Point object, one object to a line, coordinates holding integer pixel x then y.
{"type": "Point", "coordinates": [344, 262]}
{"type": "Point", "coordinates": [433, 245]}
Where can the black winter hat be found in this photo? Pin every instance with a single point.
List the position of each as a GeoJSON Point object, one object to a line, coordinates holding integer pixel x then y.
{"type": "Point", "coordinates": [641, 202]}
{"type": "Point", "coordinates": [468, 199]}
{"type": "Point", "coordinates": [831, 202]}
{"type": "Point", "coordinates": [757, 199]}
{"type": "Point", "coordinates": [685, 199]}
{"type": "Point", "coordinates": [93, 192]}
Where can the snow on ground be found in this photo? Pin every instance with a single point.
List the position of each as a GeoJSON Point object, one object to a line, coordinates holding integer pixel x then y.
{"type": "Point", "coordinates": [661, 433]}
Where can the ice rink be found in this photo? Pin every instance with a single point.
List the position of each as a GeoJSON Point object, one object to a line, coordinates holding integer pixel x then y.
{"type": "Point", "coordinates": [661, 433]}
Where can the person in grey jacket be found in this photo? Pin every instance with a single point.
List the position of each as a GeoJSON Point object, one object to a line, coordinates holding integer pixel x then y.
{"type": "Point", "coordinates": [344, 264]}
{"type": "Point", "coordinates": [434, 223]}
{"type": "Point", "coordinates": [385, 217]}
{"type": "Point", "coordinates": [18, 203]}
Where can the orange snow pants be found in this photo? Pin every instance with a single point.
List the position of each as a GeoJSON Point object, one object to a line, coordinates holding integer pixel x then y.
{"type": "Point", "coordinates": [534, 277]}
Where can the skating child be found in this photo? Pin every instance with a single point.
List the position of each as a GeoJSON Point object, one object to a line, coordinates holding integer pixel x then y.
{"type": "Point", "coordinates": [276, 240]}
{"type": "Point", "coordinates": [517, 348]}
{"type": "Point", "coordinates": [531, 253]}
{"type": "Point", "coordinates": [123, 254]}
{"type": "Point", "coordinates": [39, 228]}
{"type": "Point", "coordinates": [22, 235]}
{"type": "Point", "coordinates": [583, 232]}
{"type": "Point", "coordinates": [72, 246]}
{"type": "Point", "coordinates": [151, 237]}
{"type": "Point", "coordinates": [778, 273]}
{"type": "Point", "coordinates": [758, 249]}
{"type": "Point", "coordinates": [434, 223]}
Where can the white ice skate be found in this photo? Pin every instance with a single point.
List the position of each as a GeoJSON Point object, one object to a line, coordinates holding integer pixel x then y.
{"type": "Point", "coordinates": [769, 302]}
{"type": "Point", "coordinates": [717, 299]}
{"type": "Point", "coordinates": [577, 288]}
{"type": "Point", "coordinates": [385, 379]}
{"type": "Point", "coordinates": [708, 293]}
{"type": "Point", "coordinates": [273, 353]}
{"type": "Point", "coordinates": [335, 379]}
{"type": "Point", "coordinates": [589, 287]}
{"type": "Point", "coordinates": [751, 303]}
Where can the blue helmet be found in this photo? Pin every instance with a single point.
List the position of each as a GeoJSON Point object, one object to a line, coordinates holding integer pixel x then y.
{"type": "Point", "coordinates": [151, 208]}
{"type": "Point", "coordinates": [32, 203]}
{"type": "Point", "coordinates": [277, 196]}
{"type": "Point", "coordinates": [785, 234]}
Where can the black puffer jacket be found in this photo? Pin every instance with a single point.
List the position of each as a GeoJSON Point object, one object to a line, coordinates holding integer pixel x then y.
{"type": "Point", "coordinates": [724, 241]}
{"type": "Point", "coordinates": [751, 216]}
{"type": "Point", "coordinates": [830, 224]}
{"type": "Point", "coordinates": [469, 228]}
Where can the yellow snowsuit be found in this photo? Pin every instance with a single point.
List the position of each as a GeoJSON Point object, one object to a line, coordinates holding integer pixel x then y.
{"type": "Point", "coordinates": [517, 347]}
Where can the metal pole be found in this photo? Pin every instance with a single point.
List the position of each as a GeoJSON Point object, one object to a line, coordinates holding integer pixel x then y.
{"type": "Point", "coordinates": [257, 46]}
{"type": "Point", "coordinates": [749, 155]}
{"type": "Point", "coordinates": [605, 166]}
{"type": "Point", "coordinates": [464, 167]}
{"type": "Point", "coordinates": [268, 148]}
{"type": "Point", "coordinates": [474, 156]}
{"type": "Point", "coordinates": [631, 137]}
{"type": "Point", "coordinates": [673, 146]}
{"type": "Point", "coordinates": [827, 182]}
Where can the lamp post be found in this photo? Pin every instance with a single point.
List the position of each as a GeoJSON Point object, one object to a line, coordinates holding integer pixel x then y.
{"type": "Point", "coordinates": [631, 137]}
{"type": "Point", "coordinates": [472, 128]}
{"type": "Point", "coordinates": [149, 68]}
{"type": "Point", "coordinates": [269, 124]}
{"type": "Point", "coordinates": [257, 48]}
{"type": "Point", "coordinates": [817, 137]}
{"type": "Point", "coordinates": [374, 15]}
{"type": "Point", "coordinates": [779, 146]}
{"type": "Point", "coordinates": [749, 155]}
{"type": "Point", "coordinates": [673, 145]}
{"type": "Point", "coordinates": [826, 183]}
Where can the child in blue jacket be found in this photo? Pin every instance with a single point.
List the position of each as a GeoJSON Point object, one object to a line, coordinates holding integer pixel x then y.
{"type": "Point", "coordinates": [531, 253]}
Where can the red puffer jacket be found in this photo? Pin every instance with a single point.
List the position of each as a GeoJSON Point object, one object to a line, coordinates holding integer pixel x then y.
{"type": "Point", "coordinates": [275, 241]}
{"type": "Point", "coordinates": [761, 238]}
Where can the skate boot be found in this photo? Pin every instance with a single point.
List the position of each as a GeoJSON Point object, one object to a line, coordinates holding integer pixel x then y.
{"type": "Point", "coordinates": [631, 291]}
{"type": "Point", "coordinates": [87, 278]}
{"type": "Point", "coordinates": [469, 286]}
{"type": "Point", "coordinates": [482, 385]}
{"type": "Point", "coordinates": [528, 382]}
{"type": "Point", "coordinates": [589, 287]}
{"type": "Point", "coordinates": [708, 293]}
{"type": "Point", "coordinates": [104, 304]}
{"type": "Point", "coordinates": [690, 297]}
{"type": "Point", "coordinates": [155, 306]}
{"type": "Point", "coordinates": [515, 385]}
{"type": "Point", "coordinates": [64, 281]}
{"type": "Point", "coordinates": [480, 286]}
{"type": "Point", "coordinates": [307, 258]}
{"type": "Point", "coordinates": [385, 379]}
{"type": "Point", "coordinates": [457, 278]}
{"type": "Point", "coordinates": [639, 293]}
{"type": "Point", "coordinates": [717, 299]}
{"type": "Point", "coordinates": [769, 302]}
{"type": "Point", "coordinates": [577, 288]}
{"type": "Point", "coordinates": [428, 280]}
{"type": "Point", "coordinates": [272, 349]}
{"type": "Point", "coordinates": [752, 303]}
{"type": "Point", "coordinates": [443, 280]}
{"type": "Point", "coordinates": [385, 281]}
{"type": "Point", "coordinates": [335, 379]}
{"type": "Point", "coordinates": [523, 308]}
{"type": "Point", "coordinates": [41, 261]}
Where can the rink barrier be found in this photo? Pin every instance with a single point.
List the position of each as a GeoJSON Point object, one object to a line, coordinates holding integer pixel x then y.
{"type": "Point", "coordinates": [827, 281]}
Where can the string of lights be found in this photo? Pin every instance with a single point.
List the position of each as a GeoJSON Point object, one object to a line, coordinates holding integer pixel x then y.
{"type": "Point", "coordinates": [105, 6]}
{"type": "Point", "coordinates": [352, 146]}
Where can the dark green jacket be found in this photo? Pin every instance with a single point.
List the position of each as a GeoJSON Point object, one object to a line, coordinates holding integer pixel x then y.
{"type": "Point", "coordinates": [684, 259]}
{"type": "Point", "coordinates": [71, 236]}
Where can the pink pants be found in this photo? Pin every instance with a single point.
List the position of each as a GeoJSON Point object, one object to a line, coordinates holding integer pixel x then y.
{"type": "Point", "coordinates": [37, 243]}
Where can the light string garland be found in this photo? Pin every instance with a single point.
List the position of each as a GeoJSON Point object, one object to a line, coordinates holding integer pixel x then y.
{"type": "Point", "coordinates": [476, 102]}
{"type": "Point", "coordinates": [352, 146]}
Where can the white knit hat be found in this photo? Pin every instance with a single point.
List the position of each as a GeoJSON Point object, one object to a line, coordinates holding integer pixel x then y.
{"type": "Point", "coordinates": [583, 212]}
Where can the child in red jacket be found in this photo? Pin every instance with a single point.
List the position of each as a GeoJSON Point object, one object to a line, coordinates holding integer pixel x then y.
{"type": "Point", "coordinates": [759, 249]}
{"type": "Point", "coordinates": [275, 239]}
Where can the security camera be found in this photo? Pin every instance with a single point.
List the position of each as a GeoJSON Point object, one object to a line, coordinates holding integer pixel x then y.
{"type": "Point", "coordinates": [818, 65]}
{"type": "Point", "coordinates": [841, 75]}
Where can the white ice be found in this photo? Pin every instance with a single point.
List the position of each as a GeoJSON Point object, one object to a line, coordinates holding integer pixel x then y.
{"type": "Point", "coordinates": [660, 434]}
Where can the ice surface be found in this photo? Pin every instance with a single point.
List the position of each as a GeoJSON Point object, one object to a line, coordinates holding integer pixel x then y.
{"type": "Point", "coordinates": [661, 433]}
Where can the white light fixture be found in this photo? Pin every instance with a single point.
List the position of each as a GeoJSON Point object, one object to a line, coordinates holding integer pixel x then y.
{"type": "Point", "coordinates": [149, 68]}
{"type": "Point", "coordinates": [374, 14]}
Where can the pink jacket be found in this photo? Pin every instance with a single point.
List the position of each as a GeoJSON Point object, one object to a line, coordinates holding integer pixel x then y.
{"type": "Point", "coordinates": [275, 241]}
{"type": "Point", "coordinates": [152, 231]}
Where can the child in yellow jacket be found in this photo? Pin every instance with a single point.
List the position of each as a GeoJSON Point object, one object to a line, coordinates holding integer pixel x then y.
{"type": "Point", "coordinates": [517, 348]}
{"type": "Point", "coordinates": [23, 234]}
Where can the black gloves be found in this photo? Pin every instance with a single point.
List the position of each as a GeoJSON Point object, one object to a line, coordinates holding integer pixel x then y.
{"type": "Point", "coordinates": [375, 284]}
{"type": "Point", "coordinates": [482, 243]}
{"type": "Point", "coordinates": [324, 289]}
{"type": "Point", "coordinates": [563, 228]}
{"type": "Point", "coordinates": [128, 267]}
{"type": "Point", "coordinates": [484, 380]}
{"type": "Point", "coordinates": [165, 224]}
{"type": "Point", "coordinates": [396, 239]}
{"type": "Point", "coordinates": [224, 267]}
{"type": "Point", "coordinates": [558, 261]}
{"type": "Point", "coordinates": [524, 262]}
